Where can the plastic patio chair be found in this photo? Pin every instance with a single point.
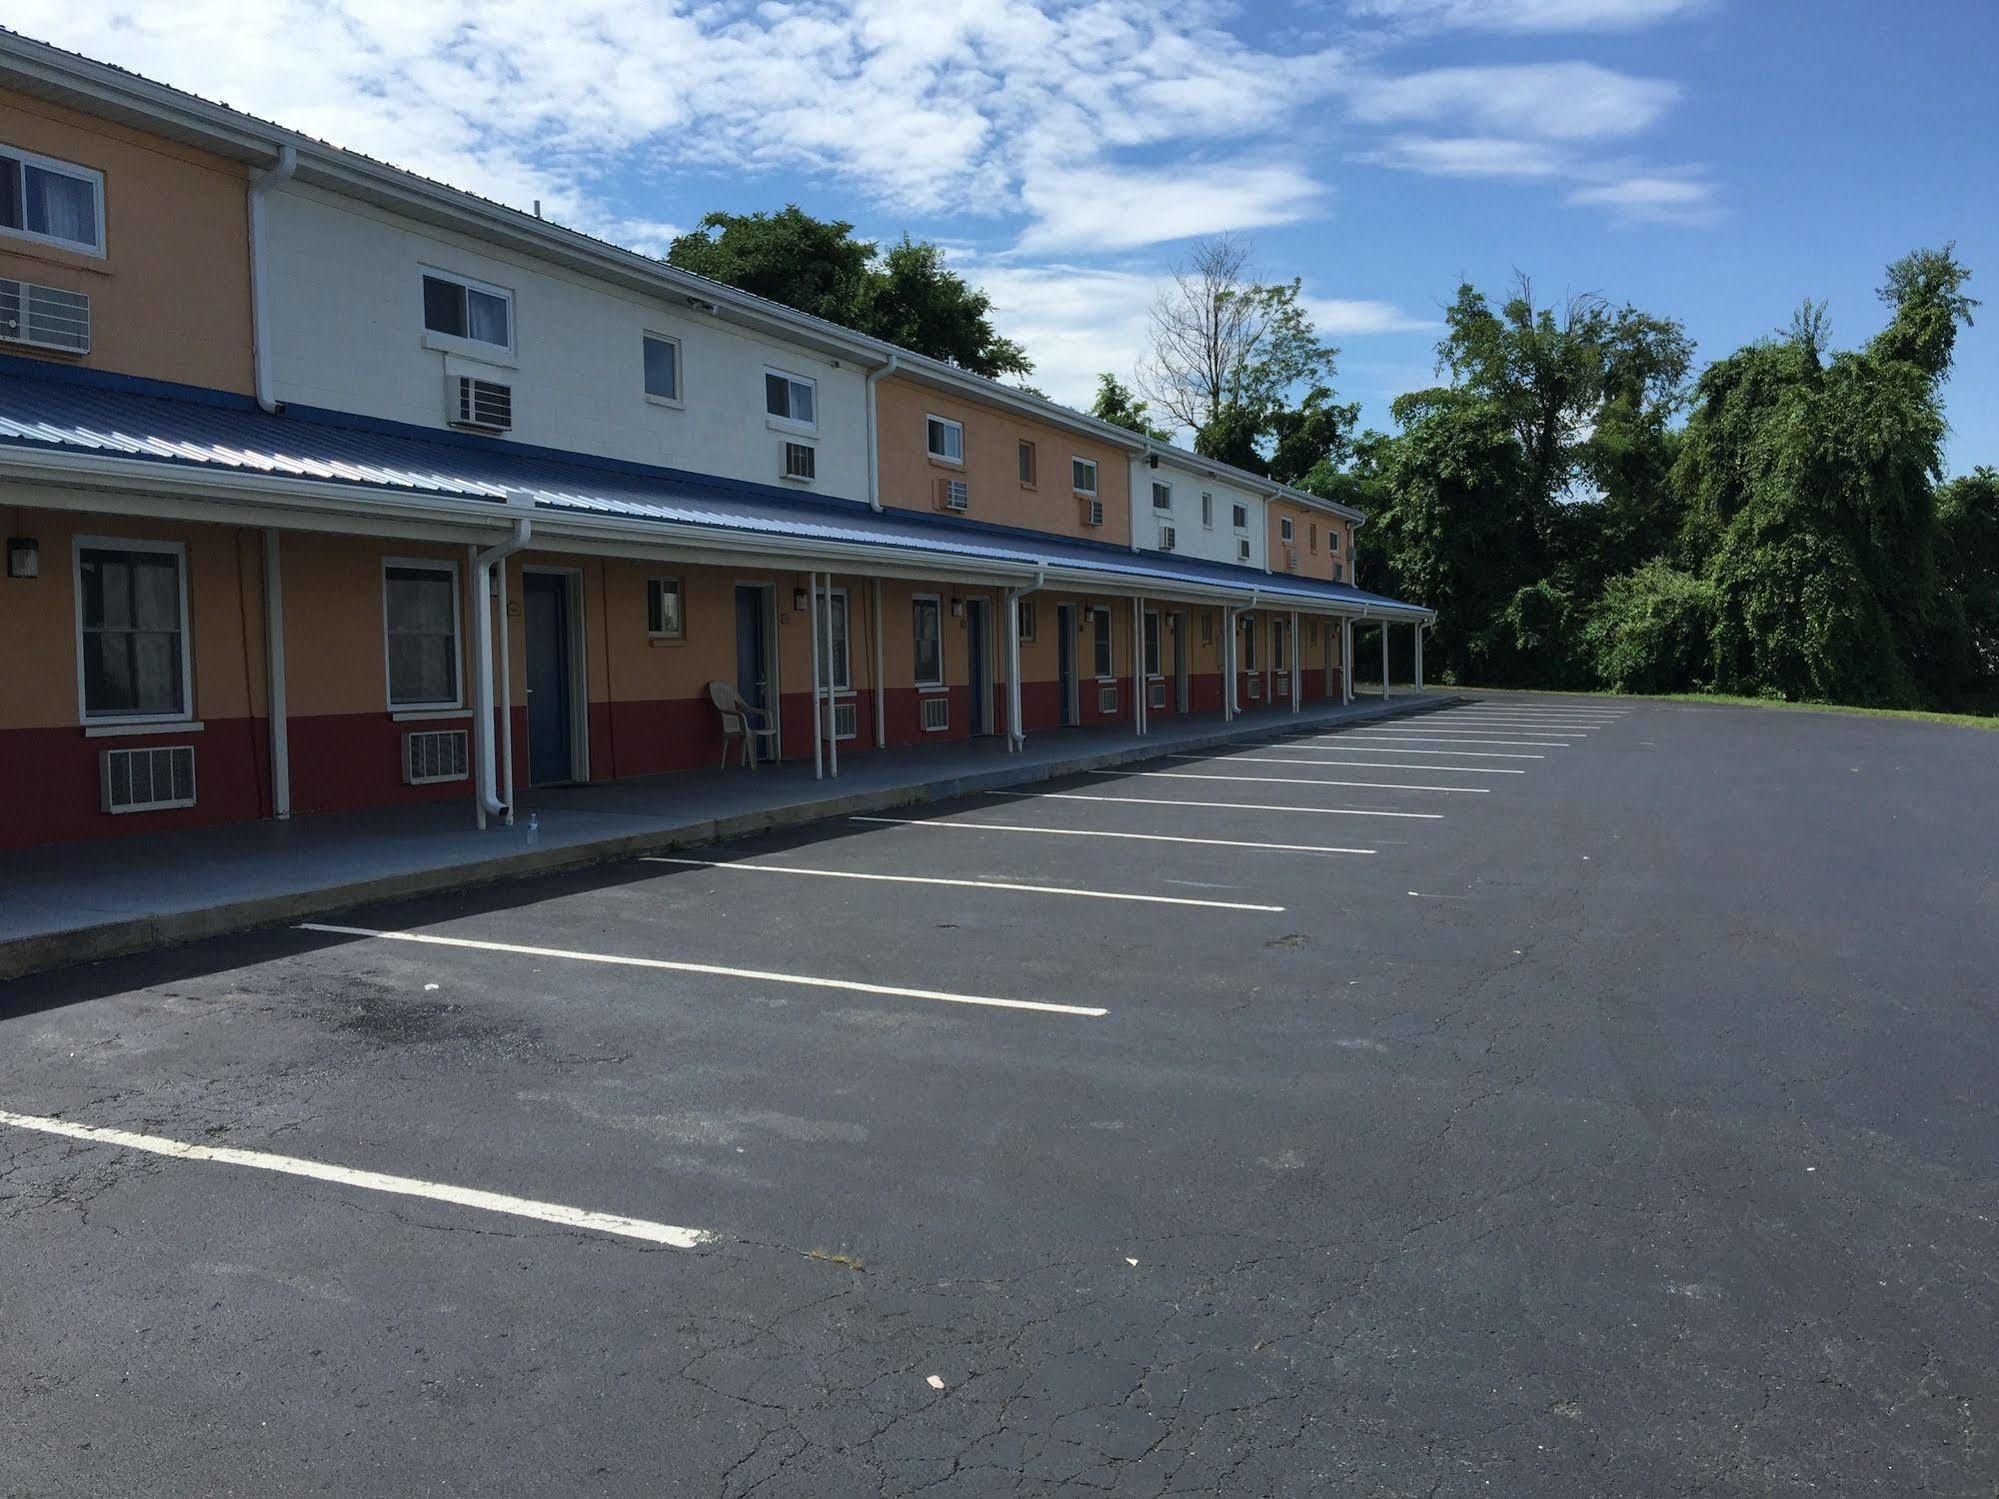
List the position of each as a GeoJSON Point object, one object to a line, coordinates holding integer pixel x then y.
{"type": "Point", "coordinates": [740, 721]}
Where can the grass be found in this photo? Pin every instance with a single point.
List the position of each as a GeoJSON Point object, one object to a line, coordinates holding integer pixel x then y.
{"type": "Point", "coordinates": [1921, 715]}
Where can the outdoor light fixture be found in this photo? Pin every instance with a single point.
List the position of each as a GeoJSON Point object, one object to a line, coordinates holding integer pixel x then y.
{"type": "Point", "coordinates": [798, 600]}
{"type": "Point", "coordinates": [957, 608]}
{"type": "Point", "coordinates": [24, 557]}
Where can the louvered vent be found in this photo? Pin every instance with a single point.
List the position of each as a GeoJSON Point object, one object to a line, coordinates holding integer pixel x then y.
{"type": "Point", "coordinates": [44, 317]}
{"type": "Point", "coordinates": [481, 405]}
{"type": "Point", "coordinates": [1107, 698]}
{"type": "Point", "coordinates": [147, 780]}
{"type": "Point", "coordinates": [431, 755]}
{"type": "Point", "coordinates": [954, 494]}
{"type": "Point", "coordinates": [801, 461]}
{"type": "Point", "coordinates": [936, 714]}
{"type": "Point", "coordinates": [1092, 512]}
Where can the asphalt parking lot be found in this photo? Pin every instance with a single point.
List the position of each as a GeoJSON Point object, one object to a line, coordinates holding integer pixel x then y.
{"type": "Point", "coordinates": [1543, 1096]}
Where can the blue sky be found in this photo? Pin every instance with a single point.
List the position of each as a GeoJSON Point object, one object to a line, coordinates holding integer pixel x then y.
{"type": "Point", "coordinates": [1713, 160]}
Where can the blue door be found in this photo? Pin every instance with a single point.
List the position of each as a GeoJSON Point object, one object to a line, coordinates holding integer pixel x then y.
{"type": "Point", "coordinates": [752, 647]}
{"type": "Point", "coordinates": [545, 611]}
{"type": "Point", "coordinates": [975, 647]}
{"type": "Point", "coordinates": [1065, 658]}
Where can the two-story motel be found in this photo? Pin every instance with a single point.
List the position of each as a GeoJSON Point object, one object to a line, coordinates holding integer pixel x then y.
{"type": "Point", "coordinates": [326, 486]}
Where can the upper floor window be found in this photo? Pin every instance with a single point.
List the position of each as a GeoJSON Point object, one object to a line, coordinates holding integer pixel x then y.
{"type": "Point", "coordinates": [944, 438]}
{"type": "Point", "coordinates": [791, 398]}
{"type": "Point", "coordinates": [132, 616]}
{"type": "Point", "coordinates": [1312, 537]}
{"type": "Point", "coordinates": [662, 367]}
{"type": "Point", "coordinates": [454, 307]}
{"type": "Point", "coordinates": [1027, 464]}
{"type": "Point", "coordinates": [1284, 527]}
{"type": "Point", "coordinates": [1083, 475]}
{"type": "Point", "coordinates": [1242, 517]}
{"type": "Point", "coordinates": [1162, 496]}
{"type": "Point", "coordinates": [51, 201]}
{"type": "Point", "coordinates": [1207, 509]}
{"type": "Point", "coordinates": [1332, 539]}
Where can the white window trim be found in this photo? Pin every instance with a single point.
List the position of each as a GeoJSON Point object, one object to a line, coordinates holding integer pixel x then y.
{"type": "Point", "coordinates": [676, 403]}
{"type": "Point", "coordinates": [431, 564]}
{"type": "Point", "coordinates": [68, 168]}
{"type": "Point", "coordinates": [452, 343]}
{"type": "Point", "coordinates": [786, 423]}
{"type": "Point", "coordinates": [681, 583]}
{"type": "Point", "coordinates": [1027, 619]}
{"type": "Point", "coordinates": [956, 426]}
{"type": "Point", "coordinates": [1207, 511]}
{"type": "Point", "coordinates": [1107, 634]}
{"type": "Point", "coordinates": [1095, 478]}
{"type": "Point", "coordinates": [1032, 450]}
{"type": "Point", "coordinates": [1286, 531]}
{"type": "Point", "coordinates": [1238, 525]}
{"type": "Point", "coordinates": [1157, 485]}
{"type": "Point", "coordinates": [936, 601]}
{"type": "Point", "coordinates": [1154, 647]}
{"type": "Point", "coordinates": [134, 721]}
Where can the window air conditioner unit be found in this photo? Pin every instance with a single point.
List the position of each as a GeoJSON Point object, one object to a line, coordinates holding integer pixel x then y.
{"type": "Point", "coordinates": [1167, 538]}
{"type": "Point", "coordinates": [954, 495]}
{"type": "Point", "coordinates": [1291, 559]}
{"type": "Point", "coordinates": [936, 714]}
{"type": "Point", "coordinates": [44, 317]}
{"type": "Point", "coordinates": [432, 755]}
{"type": "Point", "coordinates": [1107, 698]}
{"type": "Point", "coordinates": [1092, 512]}
{"type": "Point", "coordinates": [801, 461]}
{"type": "Point", "coordinates": [1158, 698]}
{"type": "Point", "coordinates": [846, 720]}
{"type": "Point", "coordinates": [1255, 687]}
{"type": "Point", "coordinates": [148, 780]}
{"type": "Point", "coordinates": [478, 405]}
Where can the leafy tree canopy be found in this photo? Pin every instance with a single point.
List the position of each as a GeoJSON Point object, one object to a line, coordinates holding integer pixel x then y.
{"type": "Point", "coordinates": [1117, 404]}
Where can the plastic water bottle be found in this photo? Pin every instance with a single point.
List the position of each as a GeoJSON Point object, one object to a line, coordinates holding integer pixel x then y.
{"type": "Point", "coordinates": [534, 829]}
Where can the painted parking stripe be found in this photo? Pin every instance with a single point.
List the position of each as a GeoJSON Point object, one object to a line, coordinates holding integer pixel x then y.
{"type": "Point", "coordinates": [1469, 734]}
{"type": "Point", "coordinates": [919, 879]}
{"type": "Point", "coordinates": [1014, 827]}
{"type": "Point", "coordinates": [1197, 775]}
{"type": "Point", "coordinates": [1487, 770]}
{"type": "Point", "coordinates": [1591, 720]}
{"type": "Point", "coordinates": [717, 970]}
{"type": "Point", "coordinates": [1442, 736]}
{"type": "Point", "coordinates": [372, 1181]}
{"type": "Point", "coordinates": [1173, 801]}
{"type": "Point", "coordinates": [1332, 746]}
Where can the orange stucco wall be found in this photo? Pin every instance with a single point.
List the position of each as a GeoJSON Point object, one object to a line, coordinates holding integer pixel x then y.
{"type": "Point", "coordinates": [170, 297]}
{"type": "Point", "coordinates": [1312, 540]}
{"type": "Point", "coordinates": [992, 464]}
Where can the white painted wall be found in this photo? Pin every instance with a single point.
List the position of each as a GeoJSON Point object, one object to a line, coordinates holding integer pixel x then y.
{"type": "Point", "coordinates": [347, 333]}
{"type": "Point", "coordinates": [1216, 543]}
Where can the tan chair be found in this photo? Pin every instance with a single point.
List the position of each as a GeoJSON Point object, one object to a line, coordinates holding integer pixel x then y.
{"type": "Point", "coordinates": [739, 721]}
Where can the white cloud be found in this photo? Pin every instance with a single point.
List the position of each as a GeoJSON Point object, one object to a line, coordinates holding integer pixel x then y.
{"type": "Point", "coordinates": [1104, 209]}
{"type": "Point", "coordinates": [1527, 15]}
{"type": "Point", "coordinates": [1472, 156]}
{"type": "Point", "coordinates": [1653, 198]}
{"type": "Point", "coordinates": [1343, 317]}
{"type": "Point", "coordinates": [1554, 101]}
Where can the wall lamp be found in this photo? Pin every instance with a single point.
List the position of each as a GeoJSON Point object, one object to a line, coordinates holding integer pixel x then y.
{"type": "Point", "coordinates": [24, 557]}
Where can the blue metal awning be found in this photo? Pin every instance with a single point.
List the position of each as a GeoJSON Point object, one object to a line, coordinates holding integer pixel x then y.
{"type": "Point", "coordinates": [117, 418]}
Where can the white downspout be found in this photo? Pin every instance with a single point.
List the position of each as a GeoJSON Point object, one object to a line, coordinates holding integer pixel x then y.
{"type": "Point", "coordinates": [881, 690]}
{"type": "Point", "coordinates": [832, 686]}
{"type": "Point", "coordinates": [488, 800]}
{"type": "Point", "coordinates": [274, 666]}
{"type": "Point", "coordinates": [1346, 660]}
{"type": "Point", "coordinates": [261, 184]}
{"type": "Point", "coordinates": [1016, 734]}
{"type": "Point", "coordinates": [1297, 665]}
{"type": "Point", "coordinates": [874, 433]}
{"type": "Point", "coordinates": [1138, 682]}
{"type": "Point", "coordinates": [818, 727]}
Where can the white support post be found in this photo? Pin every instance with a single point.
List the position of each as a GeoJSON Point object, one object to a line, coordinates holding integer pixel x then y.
{"type": "Point", "coordinates": [1297, 665]}
{"type": "Point", "coordinates": [274, 666]}
{"type": "Point", "coordinates": [881, 693]}
{"type": "Point", "coordinates": [1015, 738]}
{"type": "Point", "coordinates": [482, 713]}
{"type": "Point", "coordinates": [506, 691]}
{"type": "Point", "coordinates": [1384, 660]}
{"type": "Point", "coordinates": [1419, 655]}
{"type": "Point", "coordinates": [1346, 659]}
{"type": "Point", "coordinates": [832, 685]}
{"type": "Point", "coordinates": [812, 625]}
{"type": "Point", "coordinates": [1138, 683]}
{"type": "Point", "coordinates": [1228, 665]}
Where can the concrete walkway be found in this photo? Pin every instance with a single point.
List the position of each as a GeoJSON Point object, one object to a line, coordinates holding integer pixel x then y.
{"type": "Point", "coordinates": [76, 903]}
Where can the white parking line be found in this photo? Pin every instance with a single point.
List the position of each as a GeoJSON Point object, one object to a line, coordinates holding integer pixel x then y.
{"type": "Point", "coordinates": [1014, 827]}
{"type": "Point", "coordinates": [1441, 736]}
{"type": "Point", "coordinates": [920, 879]}
{"type": "Point", "coordinates": [373, 1181]}
{"type": "Point", "coordinates": [757, 974]}
{"type": "Point", "coordinates": [1476, 770]}
{"type": "Point", "coordinates": [1513, 726]}
{"type": "Point", "coordinates": [1170, 801]}
{"type": "Point", "coordinates": [1196, 775]}
{"type": "Point", "coordinates": [1590, 719]}
{"type": "Point", "coordinates": [1331, 746]}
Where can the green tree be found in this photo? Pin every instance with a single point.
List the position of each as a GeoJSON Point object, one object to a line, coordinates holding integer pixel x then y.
{"type": "Point", "coordinates": [1650, 631]}
{"type": "Point", "coordinates": [1117, 404]}
{"type": "Point", "coordinates": [908, 296]}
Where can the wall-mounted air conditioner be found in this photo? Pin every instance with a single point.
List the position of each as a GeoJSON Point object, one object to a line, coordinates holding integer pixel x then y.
{"type": "Point", "coordinates": [478, 405]}
{"type": "Point", "coordinates": [954, 495]}
{"type": "Point", "coordinates": [936, 714]}
{"type": "Point", "coordinates": [431, 755]}
{"type": "Point", "coordinates": [1092, 512]}
{"type": "Point", "coordinates": [801, 461]}
{"type": "Point", "coordinates": [44, 317]}
{"type": "Point", "coordinates": [846, 721]}
{"type": "Point", "coordinates": [1158, 697]}
{"type": "Point", "coordinates": [1107, 698]}
{"type": "Point", "coordinates": [1168, 538]}
{"type": "Point", "coordinates": [147, 780]}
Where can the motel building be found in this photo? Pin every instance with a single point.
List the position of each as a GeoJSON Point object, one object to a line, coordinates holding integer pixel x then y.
{"type": "Point", "coordinates": [329, 487]}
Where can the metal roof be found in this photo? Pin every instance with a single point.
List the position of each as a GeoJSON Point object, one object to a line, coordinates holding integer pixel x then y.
{"type": "Point", "coordinates": [109, 417]}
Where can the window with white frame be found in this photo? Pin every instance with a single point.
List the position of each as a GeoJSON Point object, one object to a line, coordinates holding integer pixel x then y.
{"type": "Point", "coordinates": [1280, 644]}
{"type": "Point", "coordinates": [1207, 510]}
{"type": "Point", "coordinates": [833, 649]}
{"type": "Point", "coordinates": [791, 398]}
{"type": "Point", "coordinates": [1248, 643]}
{"type": "Point", "coordinates": [1285, 528]}
{"type": "Point", "coordinates": [1241, 517]}
{"type": "Point", "coordinates": [51, 201]}
{"type": "Point", "coordinates": [1083, 475]}
{"type": "Point", "coordinates": [420, 618]}
{"type": "Point", "coordinates": [927, 628]}
{"type": "Point", "coordinates": [666, 613]}
{"type": "Point", "coordinates": [455, 307]}
{"type": "Point", "coordinates": [1162, 496]}
{"type": "Point", "coordinates": [1312, 537]}
{"type": "Point", "coordinates": [1026, 607]}
{"type": "Point", "coordinates": [1104, 657]}
{"type": "Point", "coordinates": [1333, 539]}
{"type": "Point", "coordinates": [131, 613]}
{"type": "Point", "coordinates": [944, 439]}
{"type": "Point", "coordinates": [1151, 644]}
{"type": "Point", "coordinates": [662, 368]}
{"type": "Point", "coordinates": [1028, 465]}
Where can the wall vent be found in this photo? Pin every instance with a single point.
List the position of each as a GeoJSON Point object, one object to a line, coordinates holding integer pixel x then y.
{"type": "Point", "coordinates": [44, 317]}
{"type": "Point", "coordinates": [954, 494]}
{"type": "Point", "coordinates": [479, 405]}
{"type": "Point", "coordinates": [148, 780]}
{"type": "Point", "coordinates": [1107, 698]}
{"type": "Point", "coordinates": [1092, 512]}
{"type": "Point", "coordinates": [432, 755]}
{"type": "Point", "coordinates": [1168, 538]}
{"type": "Point", "coordinates": [1255, 688]}
{"type": "Point", "coordinates": [846, 720]}
{"type": "Point", "coordinates": [1242, 549]}
{"type": "Point", "coordinates": [1291, 559]}
{"type": "Point", "coordinates": [936, 713]}
{"type": "Point", "coordinates": [801, 461]}
{"type": "Point", "coordinates": [1158, 698]}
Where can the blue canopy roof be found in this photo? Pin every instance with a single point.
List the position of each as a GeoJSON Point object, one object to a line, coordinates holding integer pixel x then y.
{"type": "Point", "coordinates": [146, 422]}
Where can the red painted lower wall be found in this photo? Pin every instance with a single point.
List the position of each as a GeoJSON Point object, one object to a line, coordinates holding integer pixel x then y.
{"type": "Point", "coordinates": [231, 782]}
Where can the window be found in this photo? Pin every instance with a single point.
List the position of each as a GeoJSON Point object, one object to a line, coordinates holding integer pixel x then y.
{"type": "Point", "coordinates": [420, 612]}
{"type": "Point", "coordinates": [1248, 643]}
{"type": "Point", "coordinates": [662, 368]}
{"type": "Point", "coordinates": [944, 439]}
{"type": "Point", "coordinates": [838, 647]}
{"type": "Point", "coordinates": [1151, 644]}
{"type": "Point", "coordinates": [928, 630]}
{"type": "Point", "coordinates": [1162, 496]}
{"type": "Point", "coordinates": [1027, 465]}
{"type": "Point", "coordinates": [470, 310]}
{"type": "Point", "coordinates": [1242, 549]}
{"type": "Point", "coordinates": [1332, 540]}
{"type": "Point", "coordinates": [1100, 631]}
{"type": "Point", "coordinates": [51, 201]}
{"type": "Point", "coordinates": [1026, 607]}
{"type": "Point", "coordinates": [1241, 517]}
{"type": "Point", "coordinates": [1207, 510]}
{"type": "Point", "coordinates": [1207, 627]}
{"type": "Point", "coordinates": [1312, 534]}
{"type": "Point", "coordinates": [1083, 475]}
{"type": "Point", "coordinates": [1284, 528]}
{"type": "Point", "coordinates": [131, 610]}
{"type": "Point", "coordinates": [1339, 572]}
{"type": "Point", "coordinates": [1280, 655]}
{"type": "Point", "coordinates": [666, 616]}
{"type": "Point", "coordinates": [791, 398]}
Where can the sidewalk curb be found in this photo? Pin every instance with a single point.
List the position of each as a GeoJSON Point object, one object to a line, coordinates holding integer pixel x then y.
{"type": "Point", "coordinates": [113, 939]}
